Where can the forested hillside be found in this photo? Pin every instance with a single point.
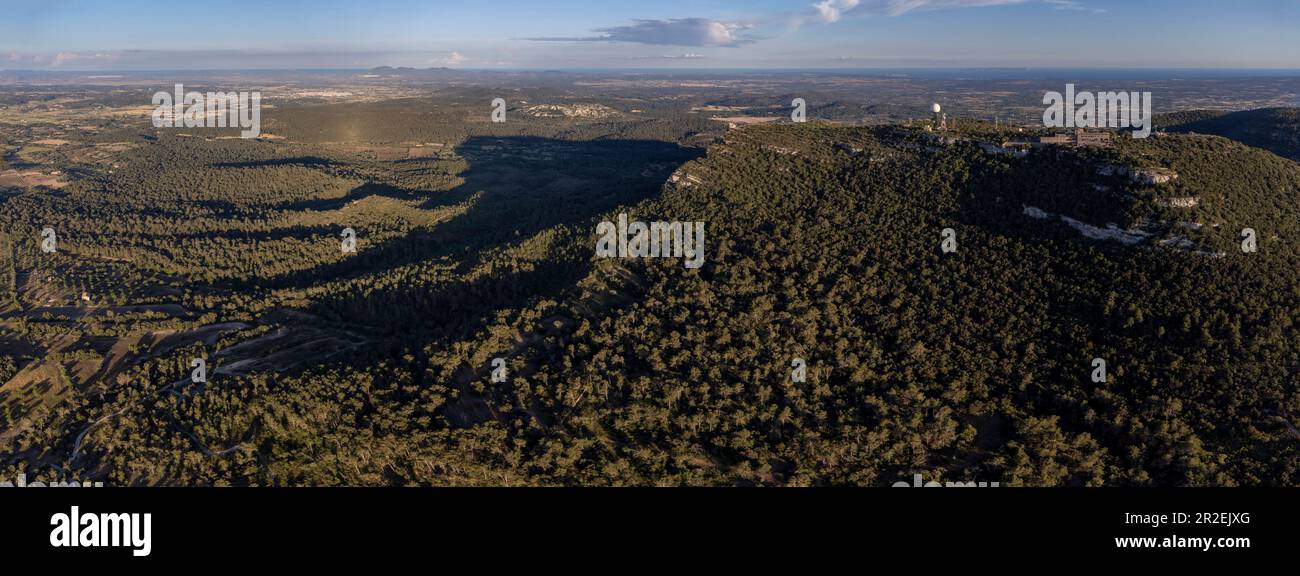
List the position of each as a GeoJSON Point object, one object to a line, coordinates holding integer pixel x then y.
{"type": "Point", "coordinates": [824, 247]}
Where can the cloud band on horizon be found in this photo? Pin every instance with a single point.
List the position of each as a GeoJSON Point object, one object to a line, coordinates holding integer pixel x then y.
{"type": "Point", "coordinates": [708, 32]}
{"type": "Point", "coordinates": [701, 32]}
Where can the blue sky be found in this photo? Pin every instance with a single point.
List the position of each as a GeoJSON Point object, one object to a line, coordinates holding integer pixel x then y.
{"type": "Point", "coordinates": [140, 34]}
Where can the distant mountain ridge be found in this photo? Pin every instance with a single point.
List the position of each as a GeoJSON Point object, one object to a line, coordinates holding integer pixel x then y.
{"type": "Point", "coordinates": [440, 72]}
{"type": "Point", "coordinates": [408, 69]}
{"type": "Point", "coordinates": [445, 71]}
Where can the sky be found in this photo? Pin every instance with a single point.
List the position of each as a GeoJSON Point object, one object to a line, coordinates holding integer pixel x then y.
{"type": "Point", "coordinates": [91, 35]}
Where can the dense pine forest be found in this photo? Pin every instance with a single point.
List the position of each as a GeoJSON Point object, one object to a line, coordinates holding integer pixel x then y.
{"type": "Point", "coordinates": [948, 299]}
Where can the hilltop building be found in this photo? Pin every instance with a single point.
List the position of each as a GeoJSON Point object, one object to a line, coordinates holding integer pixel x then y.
{"type": "Point", "coordinates": [1080, 138]}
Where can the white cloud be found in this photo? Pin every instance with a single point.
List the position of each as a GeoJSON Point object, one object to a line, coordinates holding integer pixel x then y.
{"type": "Point", "coordinates": [833, 10]}
{"type": "Point", "coordinates": [64, 57]}
{"type": "Point", "coordinates": [1073, 5]}
{"type": "Point", "coordinates": [672, 32]}
{"type": "Point", "coordinates": [453, 59]}
{"type": "Point", "coordinates": [686, 56]}
{"type": "Point", "coordinates": [897, 7]}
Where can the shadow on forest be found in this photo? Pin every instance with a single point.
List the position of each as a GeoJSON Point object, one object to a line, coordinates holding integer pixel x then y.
{"type": "Point", "coordinates": [998, 201]}
{"type": "Point", "coordinates": [372, 189]}
{"type": "Point", "coordinates": [229, 209]}
{"type": "Point", "coordinates": [1097, 286]}
{"type": "Point", "coordinates": [520, 186]}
